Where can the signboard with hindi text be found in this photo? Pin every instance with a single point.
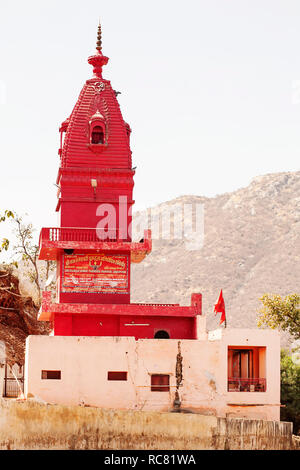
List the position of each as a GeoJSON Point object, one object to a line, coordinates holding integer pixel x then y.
{"type": "Point", "coordinates": [95, 273]}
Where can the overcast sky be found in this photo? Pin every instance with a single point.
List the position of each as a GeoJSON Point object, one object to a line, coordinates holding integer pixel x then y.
{"type": "Point", "coordinates": [210, 88]}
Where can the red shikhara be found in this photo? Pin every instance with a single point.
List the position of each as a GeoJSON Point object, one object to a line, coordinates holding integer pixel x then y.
{"type": "Point", "coordinates": [93, 246]}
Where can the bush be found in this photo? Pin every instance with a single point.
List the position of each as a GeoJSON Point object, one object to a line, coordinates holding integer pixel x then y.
{"type": "Point", "coordinates": [290, 391]}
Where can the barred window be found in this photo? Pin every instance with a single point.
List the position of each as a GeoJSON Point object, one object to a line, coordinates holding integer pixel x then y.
{"type": "Point", "coordinates": [160, 383]}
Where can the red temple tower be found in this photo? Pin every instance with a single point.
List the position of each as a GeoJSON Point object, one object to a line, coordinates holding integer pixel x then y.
{"type": "Point", "coordinates": [106, 351]}
{"type": "Point", "coordinates": [93, 247]}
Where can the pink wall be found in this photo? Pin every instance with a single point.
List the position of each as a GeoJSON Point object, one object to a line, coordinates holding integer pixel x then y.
{"type": "Point", "coordinates": [84, 363]}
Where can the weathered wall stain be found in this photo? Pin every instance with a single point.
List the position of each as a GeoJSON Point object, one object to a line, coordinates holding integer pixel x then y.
{"type": "Point", "coordinates": [179, 377]}
{"type": "Point", "coordinates": [31, 425]}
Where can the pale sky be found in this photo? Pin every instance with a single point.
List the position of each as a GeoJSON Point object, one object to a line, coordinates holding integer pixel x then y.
{"type": "Point", "coordinates": [210, 88]}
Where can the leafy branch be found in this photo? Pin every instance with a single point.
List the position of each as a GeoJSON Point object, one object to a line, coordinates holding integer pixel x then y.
{"type": "Point", "coordinates": [281, 313]}
{"type": "Point", "coordinates": [4, 243]}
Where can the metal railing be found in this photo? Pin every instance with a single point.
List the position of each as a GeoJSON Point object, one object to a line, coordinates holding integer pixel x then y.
{"type": "Point", "coordinates": [70, 234]}
{"type": "Point", "coordinates": [239, 384]}
{"type": "Point", "coordinates": [12, 386]}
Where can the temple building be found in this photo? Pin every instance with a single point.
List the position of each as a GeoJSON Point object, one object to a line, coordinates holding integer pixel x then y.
{"type": "Point", "coordinates": [104, 350]}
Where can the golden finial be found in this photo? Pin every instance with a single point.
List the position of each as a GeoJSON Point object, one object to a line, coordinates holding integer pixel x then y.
{"type": "Point", "coordinates": [99, 39]}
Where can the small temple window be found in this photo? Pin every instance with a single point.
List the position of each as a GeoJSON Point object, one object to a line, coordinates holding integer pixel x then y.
{"type": "Point", "coordinates": [161, 334]}
{"type": "Point", "coordinates": [97, 136]}
{"type": "Point", "coordinates": [160, 383]}
{"type": "Point", "coordinates": [116, 375]}
{"type": "Point", "coordinates": [246, 369]}
{"type": "Point", "coordinates": [51, 374]}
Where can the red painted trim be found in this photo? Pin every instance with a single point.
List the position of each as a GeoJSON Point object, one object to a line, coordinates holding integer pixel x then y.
{"type": "Point", "coordinates": [54, 240]}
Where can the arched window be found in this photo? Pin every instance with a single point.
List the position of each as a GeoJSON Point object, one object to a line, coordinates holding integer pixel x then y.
{"type": "Point", "coordinates": [97, 133]}
{"type": "Point", "coordinates": [97, 136]}
{"type": "Point", "coordinates": [161, 334]}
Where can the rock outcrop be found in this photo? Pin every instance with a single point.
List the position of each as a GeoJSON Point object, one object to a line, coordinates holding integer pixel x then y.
{"type": "Point", "coordinates": [17, 318]}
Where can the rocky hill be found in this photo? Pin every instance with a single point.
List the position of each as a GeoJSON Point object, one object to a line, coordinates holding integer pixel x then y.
{"type": "Point", "coordinates": [17, 318]}
{"type": "Point", "coordinates": [251, 247]}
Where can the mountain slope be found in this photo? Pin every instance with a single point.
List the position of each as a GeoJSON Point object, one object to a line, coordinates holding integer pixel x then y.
{"type": "Point", "coordinates": [251, 247]}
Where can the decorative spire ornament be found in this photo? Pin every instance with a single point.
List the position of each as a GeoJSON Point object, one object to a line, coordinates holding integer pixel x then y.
{"type": "Point", "coordinates": [98, 60]}
{"type": "Point", "coordinates": [99, 38]}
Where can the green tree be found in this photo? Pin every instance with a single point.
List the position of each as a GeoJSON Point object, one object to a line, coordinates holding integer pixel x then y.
{"type": "Point", "coordinates": [25, 248]}
{"type": "Point", "coordinates": [38, 272]}
{"type": "Point", "coordinates": [281, 313]}
{"type": "Point", "coordinates": [290, 391]}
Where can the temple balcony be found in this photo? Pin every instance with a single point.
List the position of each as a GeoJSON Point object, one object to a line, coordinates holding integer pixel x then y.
{"type": "Point", "coordinates": [55, 239]}
{"type": "Point", "coordinates": [246, 368]}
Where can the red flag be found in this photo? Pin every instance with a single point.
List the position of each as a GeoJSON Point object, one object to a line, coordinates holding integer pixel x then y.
{"type": "Point", "coordinates": [220, 308]}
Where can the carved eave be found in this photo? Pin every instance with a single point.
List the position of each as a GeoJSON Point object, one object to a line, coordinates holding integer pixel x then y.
{"type": "Point", "coordinates": [106, 174]}
{"type": "Point", "coordinates": [64, 125]}
{"type": "Point", "coordinates": [48, 309]}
